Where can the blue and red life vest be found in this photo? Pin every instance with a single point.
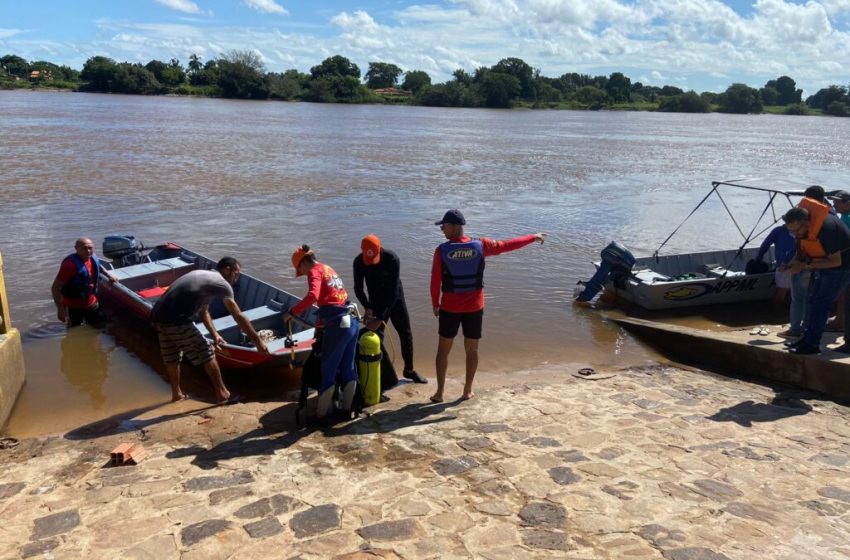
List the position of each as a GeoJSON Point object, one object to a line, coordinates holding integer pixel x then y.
{"type": "Point", "coordinates": [463, 266]}
{"type": "Point", "coordinates": [81, 285]}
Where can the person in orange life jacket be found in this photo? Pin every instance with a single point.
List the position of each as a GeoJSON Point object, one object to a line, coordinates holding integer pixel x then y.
{"type": "Point", "coordinates": [380, 268]}
{"type": "Point", "coordinates": [800, 282]}
{"type": "Point", "coordinates": [74, 289]}
{"type": "Point", "coordinates": [824, 247]}
{"type": "Point", "coordinates": [457, 294]}
{"type": "Point", "coordinates": [339, 326]}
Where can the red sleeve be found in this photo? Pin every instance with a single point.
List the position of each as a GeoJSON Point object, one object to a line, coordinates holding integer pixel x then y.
{"type": "Point", "coordinates": [493, 247]}
{"type": "Point", "coordinates": [67, 271]}
{"type": "Point", "coordinates": [436, 277]}
{"type": "Point", "coordinates": [314, 283]}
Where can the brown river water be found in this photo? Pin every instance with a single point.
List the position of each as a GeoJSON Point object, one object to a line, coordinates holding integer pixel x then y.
{"type": "Point", "coordinates": [254, 179]}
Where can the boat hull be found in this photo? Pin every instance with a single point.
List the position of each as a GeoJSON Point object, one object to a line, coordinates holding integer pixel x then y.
{"type": "Point", "coordinates": [653, 283]}
{"type": "Point", "coordinates": [133, 290]}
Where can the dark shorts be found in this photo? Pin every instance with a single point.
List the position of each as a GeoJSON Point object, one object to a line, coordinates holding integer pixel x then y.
{"type": "Point", "coordinates": [91, 316]}
{"type": "Point", "coordinates": [176, 341]}
{"type": "Point", "coordinates": [471, 321]}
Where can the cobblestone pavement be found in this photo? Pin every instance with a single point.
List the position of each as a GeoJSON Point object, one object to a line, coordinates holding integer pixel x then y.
{"type": "Point", "coordinates": [647, 463]}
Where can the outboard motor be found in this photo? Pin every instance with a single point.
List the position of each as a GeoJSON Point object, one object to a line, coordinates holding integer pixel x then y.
{"type": "Point", "coordinates": [122, 250]}
{"type": "Point", "coordinates": [616, 261]}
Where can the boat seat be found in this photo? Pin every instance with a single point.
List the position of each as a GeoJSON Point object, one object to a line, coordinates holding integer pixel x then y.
{"type": "Point", "coordinates": [649, 276]}
{"type": "Point", "coordinates": [228, 321]}
{"type": "Point", "coordinates": [153, 293]}
{"type": "Point", "coordinates": [717, 271]}
{"type": "Point", "coordinates": [144, 269]}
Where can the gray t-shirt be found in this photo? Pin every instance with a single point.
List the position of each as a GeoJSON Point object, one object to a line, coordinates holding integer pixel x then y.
{"type": "Point", "coordinates": [189, 294]}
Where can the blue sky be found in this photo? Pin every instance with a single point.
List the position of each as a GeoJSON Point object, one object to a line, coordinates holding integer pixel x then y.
{"type": "Point", "coordinates": [704, 45]}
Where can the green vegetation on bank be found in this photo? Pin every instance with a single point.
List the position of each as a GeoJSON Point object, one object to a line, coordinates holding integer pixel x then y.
{"type": "Point", "coordinates": [509, 83]}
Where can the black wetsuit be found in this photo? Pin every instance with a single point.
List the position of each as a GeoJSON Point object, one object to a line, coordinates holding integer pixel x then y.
{"type": "Point", "coordinates": [386, 297]}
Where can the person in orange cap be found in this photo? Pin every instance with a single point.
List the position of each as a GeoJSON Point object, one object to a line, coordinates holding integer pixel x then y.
{"type": "Point", "coordinates": [380, 269]}
{"type": "Point", "coordinates": [339, 327]}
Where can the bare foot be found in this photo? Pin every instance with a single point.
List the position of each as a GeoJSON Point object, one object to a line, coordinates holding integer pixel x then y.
{"type": "Point", "coordinates": [467, 396]}
{"type": "Point", "coordinates": [437, 398]}
{"type": "Point", "coordinates": [178, 397]}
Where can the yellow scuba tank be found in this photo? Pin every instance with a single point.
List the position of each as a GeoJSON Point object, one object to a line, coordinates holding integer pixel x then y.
{"type": "Point", "coordinates": [369, 367]}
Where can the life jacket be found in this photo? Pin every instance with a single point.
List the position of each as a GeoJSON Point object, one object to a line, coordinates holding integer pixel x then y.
{"type": "Point", "coordinates": [811, 245]}
{"type": "Point", "coordinates": [81, 285]}
{"type": "Point", "coordinates": [463, 266]}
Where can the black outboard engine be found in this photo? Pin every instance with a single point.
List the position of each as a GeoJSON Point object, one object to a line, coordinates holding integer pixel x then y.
{"type": "Point", "coordinates": [616, 261]}
{"type": "Point", "coordinates": [122, 250]}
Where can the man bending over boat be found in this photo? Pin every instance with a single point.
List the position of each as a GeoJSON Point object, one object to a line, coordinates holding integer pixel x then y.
{"type": "Point", "coordinates": [824, 248]}
{"type": "Point", "coordinates": [457, 271]}
{"type": "Point", "coordinates": [173, 316]}
{"type": "Point", "coordinates": [74, 289]}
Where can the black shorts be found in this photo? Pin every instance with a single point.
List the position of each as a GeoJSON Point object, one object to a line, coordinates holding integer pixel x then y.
{"type": "Point", "coordinates": [91, 316]}
{"type": "Point", "coordinates": [471, 321]}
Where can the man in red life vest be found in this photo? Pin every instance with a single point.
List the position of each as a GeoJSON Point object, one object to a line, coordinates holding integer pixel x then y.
{"type": "Point", "coordinates": [457, 292]}
{"type": "Point", "coordinates": [75, 288]}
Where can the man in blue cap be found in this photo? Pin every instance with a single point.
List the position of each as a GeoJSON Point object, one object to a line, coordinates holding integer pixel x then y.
{"type": "Point", "coordinates": [457, 292]}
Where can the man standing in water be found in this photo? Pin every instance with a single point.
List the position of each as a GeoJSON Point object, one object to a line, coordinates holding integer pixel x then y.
{"type": "Point", "coordinates": [74, 289]}
{"type": "Point", "coordinates": [457, 272]}
{"type": "Point", "coordinates": [178, 337]}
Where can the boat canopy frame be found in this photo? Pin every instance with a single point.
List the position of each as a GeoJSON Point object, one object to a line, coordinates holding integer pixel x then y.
{"type": "Point", "coordinates": [776, 189]}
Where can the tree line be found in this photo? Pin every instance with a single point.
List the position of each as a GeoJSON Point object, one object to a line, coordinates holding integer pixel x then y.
{"type": "Point", "coordinates": [509, 83]}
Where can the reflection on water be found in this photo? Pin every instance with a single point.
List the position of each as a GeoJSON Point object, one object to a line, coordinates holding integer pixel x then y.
{"type": "Point", "coordinates": [78, 377]}
{"type": "Point", "coordinates": [256, 179]}
{"type": "Point", "coordinates": [85, 362]}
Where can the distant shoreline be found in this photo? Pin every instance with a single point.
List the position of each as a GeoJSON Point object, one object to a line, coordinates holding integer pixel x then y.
{"type": "Point", "coordinates": [770, 110]}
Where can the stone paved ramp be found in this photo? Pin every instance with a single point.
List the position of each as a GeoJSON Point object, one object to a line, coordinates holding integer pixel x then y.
{"type": "Point", "coordinates": [650, 463]}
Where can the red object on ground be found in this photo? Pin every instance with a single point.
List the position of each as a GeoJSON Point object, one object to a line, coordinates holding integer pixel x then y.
{"type": "Point", "coordinates": [127, 453]}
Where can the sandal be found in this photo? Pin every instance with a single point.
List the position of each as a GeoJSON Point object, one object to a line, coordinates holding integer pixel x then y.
{"type": "Point", "coordinates": [8, 442]}
{"type": "Point", "coordinates": [586, 371]}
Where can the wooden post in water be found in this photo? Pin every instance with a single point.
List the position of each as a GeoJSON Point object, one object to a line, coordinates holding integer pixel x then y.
{"type": "Point", "coordinates": [12, 373]}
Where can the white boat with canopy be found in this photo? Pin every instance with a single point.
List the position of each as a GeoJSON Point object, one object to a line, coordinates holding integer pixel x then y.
{"type": "Point", "coordinates": [702, 278]}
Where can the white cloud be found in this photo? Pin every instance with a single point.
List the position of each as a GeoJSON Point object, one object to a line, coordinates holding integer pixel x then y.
{"type": "Point", "coordinates": [186, 6]}
{"type": "Point", "coordinates": [267, 6]}
{"type": "Point", "coordinates": [6, 33]}
{"type": "Point", "coordinates": [362, 32]}
{"type": "Point", "coordinates": [836, 8]}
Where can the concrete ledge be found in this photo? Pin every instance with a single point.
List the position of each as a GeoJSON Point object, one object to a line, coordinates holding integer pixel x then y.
{"type": "Point", "coordinates": [740, 355]}
{"type": "Point", "coordinates": [12, 374]}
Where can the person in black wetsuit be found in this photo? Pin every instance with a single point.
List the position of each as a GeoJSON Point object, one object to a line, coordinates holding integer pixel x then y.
{"type": "Point", "coordinates": [380, 268]}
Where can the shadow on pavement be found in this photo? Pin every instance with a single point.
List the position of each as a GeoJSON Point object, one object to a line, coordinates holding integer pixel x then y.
{"type": "Point", "coordinates": [279, 431]}
{"type": "Point", "coordinates": [745, 413]}
{"type": "Point", "coordinates": [389, 420]}
{"type": "Point", "coordinates": [127, 422]}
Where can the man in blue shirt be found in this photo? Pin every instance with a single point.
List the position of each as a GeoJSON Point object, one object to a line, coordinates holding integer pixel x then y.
{"type": "Point", "coordinates": [784, 252]}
